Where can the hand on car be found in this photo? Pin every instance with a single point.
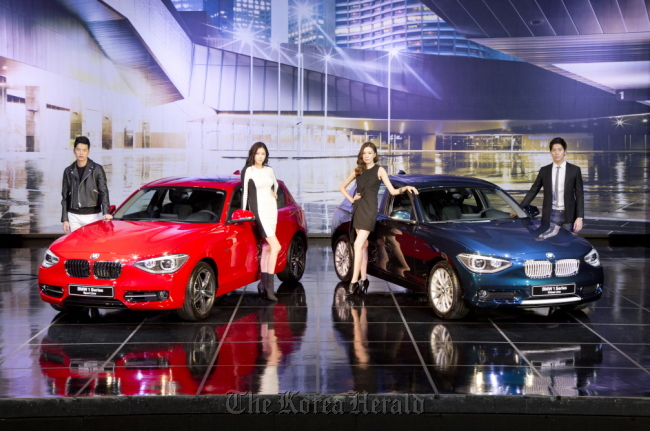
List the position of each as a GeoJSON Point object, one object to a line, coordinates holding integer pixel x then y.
{"type": "Point", "coordinates": [108, 217]}
{"type": "Point", "coordinates": [412, 190]}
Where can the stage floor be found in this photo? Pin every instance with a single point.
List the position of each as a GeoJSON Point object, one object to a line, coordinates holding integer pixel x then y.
{"type": "Point", "coordinates": [316, 341]}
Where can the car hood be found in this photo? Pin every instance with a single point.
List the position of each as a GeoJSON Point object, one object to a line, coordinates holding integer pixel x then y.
{"type": "Point", "coordinates": [512, 237]}
{"type": "Point", "coordinates": [135, 238]}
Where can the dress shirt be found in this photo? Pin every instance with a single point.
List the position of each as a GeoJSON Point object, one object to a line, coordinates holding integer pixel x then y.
{"type": "Point", "coordinates": [558, 203]}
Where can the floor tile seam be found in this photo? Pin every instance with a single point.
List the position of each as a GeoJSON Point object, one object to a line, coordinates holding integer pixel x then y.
{"type": "Point", "coordinates": [550, 388]}
{"type": "Point", "coordinates": [613, 346]}
{"type": "Point", "coordinates": [3, 359]}
{"type": "Point", "coordinates": [107, 361]}
{"type": "Point", "coordinates": [626, 298]}
{"type": "Point", "coordinates": [216, 353]}
{"type": "Point", "coordinates": [417, 350]}
{"type": "Point", "coordinates": [32, 285]}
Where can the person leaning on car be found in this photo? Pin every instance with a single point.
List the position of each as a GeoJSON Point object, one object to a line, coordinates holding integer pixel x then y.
{"type": "Point", "coordinates": [563, 203]}
{"type": "Point", "coordinates": [84, 191]}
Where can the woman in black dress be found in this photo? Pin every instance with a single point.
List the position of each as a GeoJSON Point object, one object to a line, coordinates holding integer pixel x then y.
{"type": "Point", "coordinates": [368, 175]}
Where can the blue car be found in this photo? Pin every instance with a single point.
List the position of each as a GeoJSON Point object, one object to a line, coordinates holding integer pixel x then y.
{"type": "Point", "coordinates": [468, 244]}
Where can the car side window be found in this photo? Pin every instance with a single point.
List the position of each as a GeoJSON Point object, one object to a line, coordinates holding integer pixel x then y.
{"type": "Point", "coordinates": [402, 202]}
{"type": "Point", "coordinates": [235, 202]}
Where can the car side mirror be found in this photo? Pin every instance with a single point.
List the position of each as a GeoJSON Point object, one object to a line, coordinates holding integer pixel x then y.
{"type": "Point", "coordinates": [400, 215]}
{"type": "Point", "coordinates": [240, 216]}
{"type": "Point", "coordinates": [111, 209]}
{"type": "Point", "coordinates": [532, 210]}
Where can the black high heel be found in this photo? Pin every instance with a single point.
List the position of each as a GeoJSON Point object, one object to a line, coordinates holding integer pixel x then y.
{"type": "Point", "coordinates": [353, 288]}
{"type": "Point", "coordinates": [364, 285]}
{"type": "Point", "coordinates": [269, 288]}
{"type": "Point", "coordinates": [261, 286]}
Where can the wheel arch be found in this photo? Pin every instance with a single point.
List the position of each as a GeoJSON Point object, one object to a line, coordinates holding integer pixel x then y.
{"type": "Point", "coordinates": [213, 265]}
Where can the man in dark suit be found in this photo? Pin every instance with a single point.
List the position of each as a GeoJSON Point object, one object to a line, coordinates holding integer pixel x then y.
{"type": "Point", "coordinates": [563, 193]}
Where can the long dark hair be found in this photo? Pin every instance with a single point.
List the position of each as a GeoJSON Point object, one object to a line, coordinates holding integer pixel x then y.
{"type": "Point", "coordinates": [250, 161]}
{"type": "Point", "coordinates": [361, 166]}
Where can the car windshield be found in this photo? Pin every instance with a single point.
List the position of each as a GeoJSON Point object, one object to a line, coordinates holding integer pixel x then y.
{"type": "Point", "coordinates": [462, 204]}
{"type": "Point", "coordinates": [174, 204]}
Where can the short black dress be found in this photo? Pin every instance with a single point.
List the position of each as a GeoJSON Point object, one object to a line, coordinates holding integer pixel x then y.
{"type": "Point", "coordinates": [364, 210]}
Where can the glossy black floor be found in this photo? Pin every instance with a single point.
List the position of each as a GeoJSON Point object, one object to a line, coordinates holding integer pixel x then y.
{"type": "Point", "coordinates": [316, 341]}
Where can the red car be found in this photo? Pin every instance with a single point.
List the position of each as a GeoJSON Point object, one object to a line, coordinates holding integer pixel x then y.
{"type": "Point", "coordinates": [175, 243]}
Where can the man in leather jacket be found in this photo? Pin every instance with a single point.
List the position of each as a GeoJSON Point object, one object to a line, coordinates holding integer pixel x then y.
{"type": "Point", "coordinates": [84, 191]}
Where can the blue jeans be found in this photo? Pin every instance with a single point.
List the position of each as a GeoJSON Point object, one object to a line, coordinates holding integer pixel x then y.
{"type": "Point", "coordinates": [557, 217]}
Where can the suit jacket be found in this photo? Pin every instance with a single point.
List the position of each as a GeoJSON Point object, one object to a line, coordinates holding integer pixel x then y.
{"type": "Point", "coordinates": [574, 203]}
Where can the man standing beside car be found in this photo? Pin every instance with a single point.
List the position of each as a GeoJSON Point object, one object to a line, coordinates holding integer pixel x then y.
{"type": "Point", "coordinates": [84, 191]}
{"type": "Point", "coordinates": [563, 202]}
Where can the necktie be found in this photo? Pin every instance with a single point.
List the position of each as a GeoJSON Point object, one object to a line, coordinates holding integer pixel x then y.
{"type": "Point", "coordinates": [556, 189]}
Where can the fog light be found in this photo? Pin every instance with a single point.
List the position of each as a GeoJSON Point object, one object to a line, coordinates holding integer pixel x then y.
{"type": "Point", "coordinates": [163, 295]}
{"type": "Point", "coordinates": [482, 293]}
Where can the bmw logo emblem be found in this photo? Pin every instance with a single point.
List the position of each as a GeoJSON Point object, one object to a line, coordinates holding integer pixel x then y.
{"type": "Point", "coordinates": [550, 255]}
{"type": "Point", "coordinates": [96, 255]}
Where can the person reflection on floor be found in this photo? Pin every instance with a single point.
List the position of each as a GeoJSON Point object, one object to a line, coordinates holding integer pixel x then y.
{"type": "Point", "coordinates": [360, 334]}
{"type": "Point", "coordinates": [269, 380]}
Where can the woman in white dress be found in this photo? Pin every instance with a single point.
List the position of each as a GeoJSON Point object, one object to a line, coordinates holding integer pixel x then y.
{"type": "Point", "coordinates": [260, 195]}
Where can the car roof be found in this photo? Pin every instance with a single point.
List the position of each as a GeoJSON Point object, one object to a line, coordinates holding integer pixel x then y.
{"type": "Point", "coordinates": [425, 181]}
{"type": "Point", "coordinates": [226, 182]}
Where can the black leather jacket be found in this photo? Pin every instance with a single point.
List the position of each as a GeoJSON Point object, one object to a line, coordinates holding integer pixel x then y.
{"type": "Point", "coordinates": [89, 191]}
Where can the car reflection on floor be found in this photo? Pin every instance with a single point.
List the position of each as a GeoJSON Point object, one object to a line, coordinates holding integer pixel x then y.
{"type": "Point", "coordinates": [78, 357]}
{"type": "Point", "coordinates": [456, 362]}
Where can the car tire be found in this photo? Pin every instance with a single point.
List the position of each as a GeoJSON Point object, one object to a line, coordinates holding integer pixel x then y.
{"type": "Point", "coordinates": [343, 258]}
{"type": "Point", "coordinates": [296, 258]}
{"type": "Point", "coordinates": [199, 294]}
{"type": "Point", "coordinates": [445, 292]}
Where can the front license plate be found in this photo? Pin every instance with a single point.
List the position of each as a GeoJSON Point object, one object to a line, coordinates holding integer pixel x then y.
{"type": "Point", "coordinates": [554, 289]}
{"type": "Point", "coordinates": [92, 291]}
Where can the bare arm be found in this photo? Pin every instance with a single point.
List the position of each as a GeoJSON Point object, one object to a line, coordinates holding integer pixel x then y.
{"type": "Point", "coordinates": [274, 192]}
{"type": "Point", "coordinates": [393, 191]}
{"type": "Point", "coordinates": [344, 185]}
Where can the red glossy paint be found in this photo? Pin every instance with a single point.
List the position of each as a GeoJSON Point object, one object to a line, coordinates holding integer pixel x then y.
{"type": "Point", "coordinates": [168, 368]}
{"type": "Point", "coordinates": [230, 247]}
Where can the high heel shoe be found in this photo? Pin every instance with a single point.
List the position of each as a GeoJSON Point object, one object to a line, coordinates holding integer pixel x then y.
{"type": "Point", "coordinates": [353, 288]}
{"type": "Point", "coordinates": [364, 285]}
{"type": "Point", "coordinates": [268, 287]}
{"type": "Point", "coordinates": [261, 286]}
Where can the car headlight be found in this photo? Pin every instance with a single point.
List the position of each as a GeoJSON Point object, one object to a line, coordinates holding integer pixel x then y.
{"type": "Point", "coordinates": [162, 264]}
{"type": "Point", "coordinates": [50, 259]}
{"type": "Point", "coordinates": [592, 258]}
{"type": "Point", "coordinates": [483, 264]}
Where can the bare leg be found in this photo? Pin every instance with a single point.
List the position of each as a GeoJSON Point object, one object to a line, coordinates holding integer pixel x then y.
{"type": "Point", "coordinates": [274, 244]}
{"type": "Point", "coordinates": [264, 259]}
{"type": "Point", "coordinates": [360, 246]}
{"type": "Point", "coordinates": [364, 261]}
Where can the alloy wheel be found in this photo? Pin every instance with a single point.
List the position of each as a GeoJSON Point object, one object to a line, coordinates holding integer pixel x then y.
{"type": "Point", "coordinates": [203, 290]}
{"type": "Point", "coordinates": [342, 258]}
{"type": "Point", "coordinates": [441, 290]}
